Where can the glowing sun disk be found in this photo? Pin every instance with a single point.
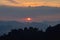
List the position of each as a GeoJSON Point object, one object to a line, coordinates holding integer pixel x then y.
{"type": "Point", "coordinates": [29, 19]}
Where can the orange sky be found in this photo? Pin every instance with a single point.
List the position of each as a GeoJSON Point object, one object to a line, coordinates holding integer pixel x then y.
{"type": "Point", "coordinates": [33, 3]}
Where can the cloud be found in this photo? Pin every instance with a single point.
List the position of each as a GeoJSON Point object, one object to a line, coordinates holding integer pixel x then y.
{"type": "Point", "coordinates": [13, 1]}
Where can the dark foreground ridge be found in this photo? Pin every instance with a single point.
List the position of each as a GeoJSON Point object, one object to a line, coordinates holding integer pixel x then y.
{"type": "Point", "coordinates": [52, 33]}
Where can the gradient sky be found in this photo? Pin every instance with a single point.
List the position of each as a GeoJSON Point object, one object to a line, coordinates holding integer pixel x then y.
{"type": "Point", "coordinates": [34, 3]}
{"type": "Point", "coordinates": [17, 10]}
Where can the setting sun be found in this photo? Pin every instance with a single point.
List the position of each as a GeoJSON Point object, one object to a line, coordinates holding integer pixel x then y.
{"type": "Point", "coordinates": [29, 19]}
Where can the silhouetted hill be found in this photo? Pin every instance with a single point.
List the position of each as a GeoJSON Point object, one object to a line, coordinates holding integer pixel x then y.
{"type": "Point", "coordinates": [6, 26]}
{"type": "Point", "coordinates": [52, 33]}
{"type": "Point", "coordinates": [55, 28]}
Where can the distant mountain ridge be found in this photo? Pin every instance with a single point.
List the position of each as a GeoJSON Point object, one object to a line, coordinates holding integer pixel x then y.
{"type": "Point", "coordinates": [6, 26]}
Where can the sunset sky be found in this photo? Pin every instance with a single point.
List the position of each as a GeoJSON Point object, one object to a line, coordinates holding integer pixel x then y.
{"type": "Point", "coordinates": [18, 10]}
{"type": "Point", "coordinates": [34, 3]}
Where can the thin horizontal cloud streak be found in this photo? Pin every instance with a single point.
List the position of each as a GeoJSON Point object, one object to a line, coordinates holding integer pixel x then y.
{"type": "Point", "coordinates": [55, 17]}
{"type": "Point", "coordinates": [36, 19]}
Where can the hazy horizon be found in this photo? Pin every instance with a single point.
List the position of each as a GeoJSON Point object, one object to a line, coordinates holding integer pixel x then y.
{"type": "Point", "coordinates": [38, 14]}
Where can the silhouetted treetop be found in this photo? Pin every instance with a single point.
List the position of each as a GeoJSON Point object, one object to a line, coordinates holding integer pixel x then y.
{"type": "Point", "coordinates": [55, 28]}
{"type": "Point", "coordinates": [52, 33]}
